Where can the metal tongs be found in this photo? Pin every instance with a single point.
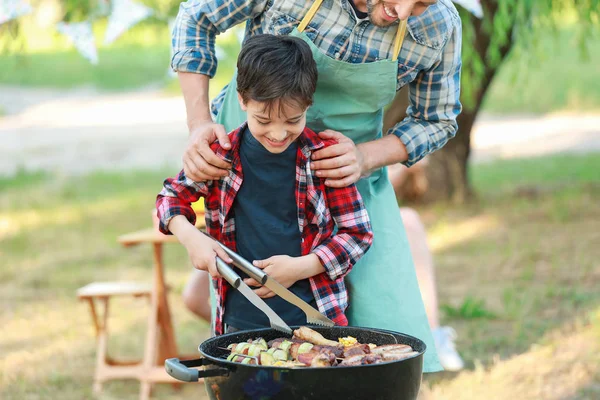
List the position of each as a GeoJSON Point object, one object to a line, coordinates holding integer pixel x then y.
{"type": "Point", "coordinates": [313, 316]}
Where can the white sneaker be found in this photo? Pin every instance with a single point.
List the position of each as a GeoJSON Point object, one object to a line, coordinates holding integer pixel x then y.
{"type": "Point", "coordinates": [444, 338]}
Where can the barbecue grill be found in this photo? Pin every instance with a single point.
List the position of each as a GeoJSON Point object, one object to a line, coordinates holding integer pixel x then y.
{"type": "Point", "coordinates": [225, 380]}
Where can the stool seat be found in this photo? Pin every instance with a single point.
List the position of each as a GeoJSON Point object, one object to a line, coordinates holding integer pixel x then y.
{"type": "Point", "coordinates": [107, 289]}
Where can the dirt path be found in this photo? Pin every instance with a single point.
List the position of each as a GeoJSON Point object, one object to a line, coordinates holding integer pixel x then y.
{"type": "Point", "coordinates": [76, 131]}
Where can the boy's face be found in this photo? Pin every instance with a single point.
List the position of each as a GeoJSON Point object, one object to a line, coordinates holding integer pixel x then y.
{"type": "Point", "coordinates": [277, 128]}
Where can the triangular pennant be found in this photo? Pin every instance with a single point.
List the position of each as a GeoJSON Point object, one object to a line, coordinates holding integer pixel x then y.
{"type": "Point", "coordinates": [82, 37]}
{"type": "Point", "coordinates": [124, 15]}
{"type": "Point", "coordinates": [472, 6]}
{"type": "Point", "coordinates": [11, 9]}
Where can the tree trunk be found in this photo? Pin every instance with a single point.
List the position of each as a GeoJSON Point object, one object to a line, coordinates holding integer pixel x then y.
{"type": "Point", "coordinates": [447, 172]}
{"type": "Point", "coordinates": [447, 169]}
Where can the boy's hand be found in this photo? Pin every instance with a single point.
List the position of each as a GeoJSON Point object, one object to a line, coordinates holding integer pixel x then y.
{"type": "Point", "coordinates": [286, 270]}
{"type": "Point", "coordinates": [202, 250]}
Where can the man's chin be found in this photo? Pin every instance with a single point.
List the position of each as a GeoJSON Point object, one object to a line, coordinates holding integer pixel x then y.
{"type": "Point", "coordinates": [380, 22]}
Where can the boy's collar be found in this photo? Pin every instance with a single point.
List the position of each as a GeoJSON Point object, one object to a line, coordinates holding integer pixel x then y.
{"type": "Point", "coordinates": [308, 142]}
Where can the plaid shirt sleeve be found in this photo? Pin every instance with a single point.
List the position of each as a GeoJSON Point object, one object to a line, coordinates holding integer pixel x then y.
{"type": "Point", "coordinates": [197, 25]}
{"type": "Point", "coordinates": [176, 198]}
{"type": "Point", "coordinates": [353, 237]}
{"type": "Point", "coordinates": [434, 103]}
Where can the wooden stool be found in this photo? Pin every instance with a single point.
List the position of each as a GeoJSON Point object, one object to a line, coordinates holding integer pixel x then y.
{"type": "Point", "coordinates": [108, 368]}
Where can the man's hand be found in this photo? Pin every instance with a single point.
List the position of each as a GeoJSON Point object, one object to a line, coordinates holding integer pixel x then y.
{"type": "Point", "coordinates": [284, 269]}
{"type": "Point", "coordinates": [342, 164]}
{"type": "Point", "coordinates": [200, 163]}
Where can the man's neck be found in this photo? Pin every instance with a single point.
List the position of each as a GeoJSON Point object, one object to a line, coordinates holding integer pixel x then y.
{"type": "Point", "coordinates": [361, 5]}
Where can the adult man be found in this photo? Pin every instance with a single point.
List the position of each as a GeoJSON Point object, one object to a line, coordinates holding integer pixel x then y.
{"type": "Point", "coordinates": [364, 57]}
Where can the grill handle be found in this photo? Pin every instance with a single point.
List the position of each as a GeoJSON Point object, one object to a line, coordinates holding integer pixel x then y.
{"type": "Point", "coordinates": [180, 369]}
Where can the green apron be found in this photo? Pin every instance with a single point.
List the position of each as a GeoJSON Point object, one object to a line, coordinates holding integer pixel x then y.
{"type": "Point", "coordinates": [350, 99]}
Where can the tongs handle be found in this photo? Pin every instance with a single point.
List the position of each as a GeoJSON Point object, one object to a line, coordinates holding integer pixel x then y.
{"type": "Point", "coordinates": [228, 273]}
{"type": "Point", "coordinates": [253, 272]}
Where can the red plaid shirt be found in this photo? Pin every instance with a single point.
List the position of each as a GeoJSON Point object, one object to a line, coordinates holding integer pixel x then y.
{"type": "Point", "coordinates": [320, 210]}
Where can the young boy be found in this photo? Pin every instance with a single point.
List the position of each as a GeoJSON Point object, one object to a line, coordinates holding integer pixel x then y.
{"type": "Point", "coordinates": [271, 208]}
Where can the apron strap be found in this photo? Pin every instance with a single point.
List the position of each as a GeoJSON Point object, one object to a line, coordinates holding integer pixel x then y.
{"type": "Point", "coordinates": [397, 40]}
{"type": "Point", "coordinates": [309, 15]}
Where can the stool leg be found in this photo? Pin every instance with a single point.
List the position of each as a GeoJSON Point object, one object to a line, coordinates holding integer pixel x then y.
{"type": "Point", "coordinates": [102, 343]}
{"type": "Point", "coordinates": [150, 355]}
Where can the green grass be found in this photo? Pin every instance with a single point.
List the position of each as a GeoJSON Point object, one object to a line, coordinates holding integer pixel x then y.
{"type": "Point", "coordinates": [531, 172]}
{"type": "Point", "coordinates": [528, 264]}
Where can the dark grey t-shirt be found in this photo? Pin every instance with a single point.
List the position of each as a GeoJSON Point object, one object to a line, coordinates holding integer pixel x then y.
{"type": "Point", "coordinates": [266, 224]}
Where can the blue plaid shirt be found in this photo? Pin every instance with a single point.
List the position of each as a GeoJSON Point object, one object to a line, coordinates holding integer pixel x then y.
{"type": "Point", "coordinates": [429, 62]}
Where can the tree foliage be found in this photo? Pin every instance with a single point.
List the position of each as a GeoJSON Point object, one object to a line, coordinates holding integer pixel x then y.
{"type": "Point", "coordinates": [517, 26]}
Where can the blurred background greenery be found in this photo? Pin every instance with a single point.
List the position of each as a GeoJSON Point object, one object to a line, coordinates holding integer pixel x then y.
{"type": "Point", "coordinates": [561, 74]}
{"type": "Point", "coordinates": [516, 259]}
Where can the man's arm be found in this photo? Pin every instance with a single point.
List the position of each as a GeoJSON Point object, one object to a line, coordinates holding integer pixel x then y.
{"type": "Point", "coordinates": [434, 104]}
{"type": "Point", "coordinates": [194, 58]}
{"type": "Point", "coordinates": [431, 122]}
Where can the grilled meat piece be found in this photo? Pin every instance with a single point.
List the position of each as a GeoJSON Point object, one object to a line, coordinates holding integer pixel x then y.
{"type": "Point", "coordinates": [323, 360]}
{"type": "Point", "coordinates": [392, 356]}
{"type": "Point", "coordinates": [362, 359]}
{"type": "Point", "coordinates": [356, 350]}
{"type": "Point", "coordinates": [395, 348]}
{"type": "Point", "coordinates": [308, 335]}
{"type": "Point", "coordinates": [322, 353]}
{"type": "Point", "coordinates": [338, 352]}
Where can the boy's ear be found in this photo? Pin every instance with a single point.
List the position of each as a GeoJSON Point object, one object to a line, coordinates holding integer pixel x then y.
{"type": "Point", "coordinates": [242, 104]}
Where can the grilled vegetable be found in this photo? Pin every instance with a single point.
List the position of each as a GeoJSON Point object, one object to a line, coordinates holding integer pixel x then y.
{"type": "Point", "coordinates": [305, 347]}
{"type": "Point", "coordinates": [347, 341]}
{"type": "Point", "coordinates": [255, 349]}
{"type": "Point", "coordinates": [267, 359]}
{"type": "Point", "coordinates": [285, 345]}
{"type": "Point", "coordinates": [280, 355]}
{"type": "Point", "coordinates": [261, 342]}
{"type": "Point", "coordinates": [241, 348]}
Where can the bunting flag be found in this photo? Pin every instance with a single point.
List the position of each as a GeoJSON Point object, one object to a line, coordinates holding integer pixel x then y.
{"type": "Point", "coordinates": [124, 15]}
{"type": "Point", "coordinates": [82, 37]}
{"type": "Point", "coordinates": [472, 6]}
{"type": "Point", "coordinates": [11, 9]}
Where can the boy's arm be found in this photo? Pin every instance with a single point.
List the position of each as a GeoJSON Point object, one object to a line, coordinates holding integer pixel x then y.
{"type": "Point", "coordinates": [354, 236]}
{"type": "Point", "coordinates": [176, 198]}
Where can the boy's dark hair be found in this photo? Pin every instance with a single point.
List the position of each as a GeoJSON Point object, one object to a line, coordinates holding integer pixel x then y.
{"type": "Point", "coordinates": [276, 69]}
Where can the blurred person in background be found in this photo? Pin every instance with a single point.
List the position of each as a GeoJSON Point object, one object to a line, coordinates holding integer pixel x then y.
{"type": "Point", "coordinates": [413, 183]}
